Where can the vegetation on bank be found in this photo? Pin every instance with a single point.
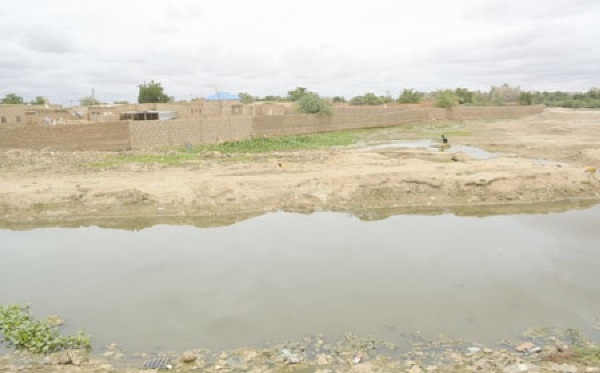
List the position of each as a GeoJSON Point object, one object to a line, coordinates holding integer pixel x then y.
{"type": "Point", "coordinates": [40, 336]}
{"type": "Point", "coordinates": [177, 156]}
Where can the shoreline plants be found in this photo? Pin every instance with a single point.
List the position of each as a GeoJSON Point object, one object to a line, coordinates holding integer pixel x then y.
{"type": "Point", "coordinates": [19, 329]}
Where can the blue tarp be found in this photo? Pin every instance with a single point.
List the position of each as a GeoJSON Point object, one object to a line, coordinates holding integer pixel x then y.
{"type": "Point", "coordinates": [222, 96]}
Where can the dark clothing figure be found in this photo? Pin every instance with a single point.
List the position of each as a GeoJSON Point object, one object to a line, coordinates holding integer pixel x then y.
{"type": "Point", "coordinates": [444, 139]}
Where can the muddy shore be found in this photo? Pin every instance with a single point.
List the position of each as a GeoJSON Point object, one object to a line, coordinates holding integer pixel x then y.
{"type": "Point", "coordinates": [541, 350]}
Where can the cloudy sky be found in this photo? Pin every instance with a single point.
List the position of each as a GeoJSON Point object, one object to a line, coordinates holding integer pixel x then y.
{"type": "Point", "coordinates": [62, 49]}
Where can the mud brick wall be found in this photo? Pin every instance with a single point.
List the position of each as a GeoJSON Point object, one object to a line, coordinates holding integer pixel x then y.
{"type": "Point", "coordinates": [214, 129]}
{"type": "Point", "coordinates": [179, 132]}
{"type": "Point", "coordinates": [93, 136]}
{"type": "Point", "coordinates": [285, 125]}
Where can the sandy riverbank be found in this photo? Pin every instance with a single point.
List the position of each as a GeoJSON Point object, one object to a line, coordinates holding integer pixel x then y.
{"type": "Point", "coordinates": [539, 163]}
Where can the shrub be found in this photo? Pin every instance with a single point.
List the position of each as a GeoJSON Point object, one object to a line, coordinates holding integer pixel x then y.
{"type": "Point", "coordinates": [369, 98]}
{"type": "Point", "coordinates": [311, 103]}
{"type": "Point", "coordinates": [21, 330]}
{"type": "Point", "coordinates": [445, 99]}
{"type": "Point", "coordinates": [410, 96]}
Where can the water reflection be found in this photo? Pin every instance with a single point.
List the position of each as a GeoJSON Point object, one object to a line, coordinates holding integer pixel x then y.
{"type": "Point", "coordinates": [281, 275]}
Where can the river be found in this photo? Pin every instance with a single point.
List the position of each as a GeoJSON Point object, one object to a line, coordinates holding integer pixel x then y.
{"type": "Point", "coordinates": [282, 275]}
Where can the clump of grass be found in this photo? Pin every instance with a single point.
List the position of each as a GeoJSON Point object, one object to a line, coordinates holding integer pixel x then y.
{"type": "Point", "coordinates": [39, 336]}
{"type": "Point", "coordinates": [270, 144]}
{"type": "Point", "coordinates": [589, 354]}
{"type": "Point", "coordinates": [180, 155]}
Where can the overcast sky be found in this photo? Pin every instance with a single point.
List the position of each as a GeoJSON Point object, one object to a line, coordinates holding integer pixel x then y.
{"type": "Point", "coordinates": [62, 49]}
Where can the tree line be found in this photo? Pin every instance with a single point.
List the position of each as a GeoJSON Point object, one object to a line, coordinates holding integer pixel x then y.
{"type": "Point", "coordinates": [311, 102]}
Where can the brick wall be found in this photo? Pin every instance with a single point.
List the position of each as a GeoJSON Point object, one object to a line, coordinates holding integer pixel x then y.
{"type": "Point", "coordinates": [206, 130]}
{"type": "Point", "coordinates": [96, 136]}
{"type": "Point", "coordinates": [284, 125]}
{"type": "Point", "coordinates": [214, 129]}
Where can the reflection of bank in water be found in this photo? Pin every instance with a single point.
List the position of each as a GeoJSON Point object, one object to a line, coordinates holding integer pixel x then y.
{"type": "Point", "coordinates": [476, 153]}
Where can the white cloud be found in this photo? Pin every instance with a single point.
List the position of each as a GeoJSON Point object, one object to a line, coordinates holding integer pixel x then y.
{"type": "Point", "coordinates": [65, 48]}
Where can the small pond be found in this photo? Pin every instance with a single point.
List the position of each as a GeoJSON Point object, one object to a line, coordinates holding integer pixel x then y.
{"type": "Point", "coordinates": [282, 275]}
{"type": "Point", "coordinates": [476, 153]}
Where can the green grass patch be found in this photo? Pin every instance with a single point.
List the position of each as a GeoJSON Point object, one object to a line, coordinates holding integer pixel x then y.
{"type": "Point", "coordinates": [237, 150]}
{"type": "Point", "coordinates": [589, 355]}
{"type": "Point", "coordinates": [22, 331]}
{"type": "Point", "coordinates": [271, 144]}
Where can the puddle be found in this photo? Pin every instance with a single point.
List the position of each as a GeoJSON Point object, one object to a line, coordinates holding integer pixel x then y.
{"type": "Point", "coordinates": [429, 145]}
{"type": "Point", "coordinates": [281, 276]}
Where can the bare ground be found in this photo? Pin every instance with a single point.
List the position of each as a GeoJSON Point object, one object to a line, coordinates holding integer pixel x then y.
{"type": "Point", "coordinates": [544, 163]}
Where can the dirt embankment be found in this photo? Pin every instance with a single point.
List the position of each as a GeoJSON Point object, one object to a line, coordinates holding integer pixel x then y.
{"type": "Point", "coordinates": [539, 163]}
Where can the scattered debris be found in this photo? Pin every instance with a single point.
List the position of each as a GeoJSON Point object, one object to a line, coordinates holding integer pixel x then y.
{"type": "Point", "coordinates": [290, 357]}
{"type": "Point", "coordinates": [358, 358]}
{"type": "Point", "coordinates": [161, 362]}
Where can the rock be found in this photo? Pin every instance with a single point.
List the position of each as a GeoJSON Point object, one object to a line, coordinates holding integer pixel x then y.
{"type": "Point", "coordinates": [363, 368]}
{"type": "Point", "coordinates": [106, 368]}
{"type": "Point", "coordinates": [322, 359]}
{"type": "Point", "coordinates": [294, 359]}
{"type": "Point", "coordinates": [415, 369]}
{"type": "Point", "coordinates": [521, 368]}
{"type": "Point", "coordinates": [64, 358]}
{"type": "Point", "coordinates": [525, 347]}
{"type": "Point", "coordinates": [564, 368]}
{"type": "Point", "coordinates": [54, 319]}
{"type": "Point", "coordinates": [473, 350]}
{"type": "Point", "coordinates": [487, 350]}
{"type": "Point", "coordinates": [236, 362]}
{"type": "Point", "coordinates": [290, 357]}
{"type": "Point", "coordinates": [78, 357]}
{"type": "Point", "coordinates": [188, 357]}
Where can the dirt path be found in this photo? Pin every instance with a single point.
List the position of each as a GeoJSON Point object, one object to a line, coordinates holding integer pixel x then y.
{"type": "Point", "coordinates": [543, 163]}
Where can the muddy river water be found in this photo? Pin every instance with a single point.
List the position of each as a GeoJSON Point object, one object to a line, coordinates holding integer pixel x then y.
{"type": "Point", "coordinates": [281, 275]}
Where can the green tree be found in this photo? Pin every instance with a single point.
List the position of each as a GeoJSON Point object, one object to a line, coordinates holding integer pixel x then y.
{"type": "Point", "coordinates": [368, 98]}
{"type": "Point", "coordinates": [151, 93]}
{"type": "Point", "coordinates": [480, 98]}
{"type": "Point", "coordinates": [386, 99]}
{"type": "Point", "coordinates": [464, 95]}
{"type": "Point", "coordinates": [504, 94]}
{"type": "Point", "coordinates": [338, 99]}
{"type": "Point", "coordinates": [410, 96]}
{"type": "Point", "coordinates": [39, 100]}
{"type": "Point", "coordinates": [88, 101]}
{"type": "Point", "coordinates": [246, 98]}
{"type": "Point", "coordinates": [12, 98]}
{"type": "Point", "coordinates": [297, 93]}
{"type": "Point", "coordinates": [525, 98]}
{"type": "Point", "coordinates": [274, 98]}
{"type": "Point", "coordinates": [445, 99]}
{"type": "Point", "coordinates": [311, 103]}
